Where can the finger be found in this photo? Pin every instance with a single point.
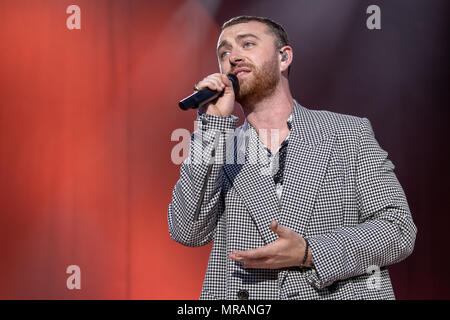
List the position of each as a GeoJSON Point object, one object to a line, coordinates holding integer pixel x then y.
{"type": "Point", "coordinates": [258, 253]}
{"type": "Point", "coordinates": [210, 84]}
{"type": "Point", "coordinates": [274, 226]}
{"type": "Point", "coordinates": [225, 80]}
{"type": "Point", "coordinates": [235, 257]}
{"type": "Point", "coordinates": [216, 78]}
{"type": "Point", "coordinates": [264, 263]}
{"type": "Point", "coordinates": [279, 229]}
{"type": "Point", "coordinates": [247, 262]}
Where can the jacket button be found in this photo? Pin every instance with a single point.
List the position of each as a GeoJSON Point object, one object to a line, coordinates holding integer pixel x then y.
{"type": "Point", "coordinates": [242, 294]}
{"type": "Point", "coordinates": [333, 287]}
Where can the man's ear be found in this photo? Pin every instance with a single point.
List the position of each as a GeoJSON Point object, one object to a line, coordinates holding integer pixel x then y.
{"type": "Point", "coordinates": [286, 56]}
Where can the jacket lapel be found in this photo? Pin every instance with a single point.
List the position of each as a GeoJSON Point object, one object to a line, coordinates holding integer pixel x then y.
{"type": "Point", "coordinates": [255, 186]}
{"type": "Point", "coordinates": [307, 158]}
{"type": "Point", "coordinates": [308, 152]}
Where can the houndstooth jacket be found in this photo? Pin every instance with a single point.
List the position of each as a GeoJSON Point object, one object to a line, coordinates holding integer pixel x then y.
{"type": "Point", "coordinates": [339, 192]}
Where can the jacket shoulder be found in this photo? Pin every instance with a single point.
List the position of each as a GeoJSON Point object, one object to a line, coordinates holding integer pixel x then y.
{"type": "Point", "coordinates": [337, 123]}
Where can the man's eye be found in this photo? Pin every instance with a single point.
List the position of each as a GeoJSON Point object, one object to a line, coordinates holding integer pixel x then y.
{"type": "Point", "coordinates": [245, 44]}
{"type": "Point", "coordinates": [223, 54]}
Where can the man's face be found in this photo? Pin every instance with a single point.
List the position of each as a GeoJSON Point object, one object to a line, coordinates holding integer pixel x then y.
{"type": "Point", "coordinates": [248, 50]}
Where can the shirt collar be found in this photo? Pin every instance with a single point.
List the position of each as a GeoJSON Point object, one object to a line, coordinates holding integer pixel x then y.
{"type": "Point", "coordinates": [289, 120]}
{"type": "Point", "coordinates": [247, 125]}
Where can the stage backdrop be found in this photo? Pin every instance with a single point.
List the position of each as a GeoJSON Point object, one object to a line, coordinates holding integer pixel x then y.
{"type": "Point", "coordinates": [88, 103]}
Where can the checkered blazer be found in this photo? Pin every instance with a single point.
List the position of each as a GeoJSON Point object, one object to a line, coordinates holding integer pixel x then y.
{"type": "Point", "coordinates": [339, 191]}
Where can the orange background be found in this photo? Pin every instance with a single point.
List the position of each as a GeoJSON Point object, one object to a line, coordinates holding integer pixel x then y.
{"type": "Point", "coordinates": [85, 126]}
{"type": "Point", "coordinates": [86, 118]}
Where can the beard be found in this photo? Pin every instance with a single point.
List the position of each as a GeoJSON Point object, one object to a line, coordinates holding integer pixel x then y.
{"type": "Point", "coordinates": [261, 83]}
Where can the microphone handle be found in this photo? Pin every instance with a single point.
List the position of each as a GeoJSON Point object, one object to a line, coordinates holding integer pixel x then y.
{"type": "Point", "coordinates": [200, 98]}
{"type": "Point", "coordinates": [206, 95]}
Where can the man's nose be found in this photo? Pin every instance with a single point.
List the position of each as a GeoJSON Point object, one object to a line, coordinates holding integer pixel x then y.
{"type": "Point", "coordinates": [235, 57]}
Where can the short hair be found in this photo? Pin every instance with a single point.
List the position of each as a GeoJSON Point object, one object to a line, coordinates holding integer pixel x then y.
{"type": "Point", "coordinates": [281, 38]}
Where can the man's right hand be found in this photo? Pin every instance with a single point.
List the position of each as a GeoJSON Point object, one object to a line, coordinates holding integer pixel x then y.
{"type": "Point", "coordinates": [224, 105]}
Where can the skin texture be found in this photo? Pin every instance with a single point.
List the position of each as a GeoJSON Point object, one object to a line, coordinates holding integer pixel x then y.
{"type": "Point", "coordinates": [267, 102]}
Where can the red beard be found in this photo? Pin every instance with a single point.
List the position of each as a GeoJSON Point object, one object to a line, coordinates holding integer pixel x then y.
{"type": "Point", "coordinates": [260, 83]}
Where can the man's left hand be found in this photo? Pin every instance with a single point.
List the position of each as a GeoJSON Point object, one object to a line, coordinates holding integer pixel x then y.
{"type": "Point", "coordinates": [287, 251]}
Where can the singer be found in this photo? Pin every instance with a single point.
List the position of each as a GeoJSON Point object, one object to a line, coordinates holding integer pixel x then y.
{"type": "Point", "coordinates": [321, 216]}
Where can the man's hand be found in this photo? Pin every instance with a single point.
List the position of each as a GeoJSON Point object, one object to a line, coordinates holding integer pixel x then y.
{"type": "Point", "coordinates": [287, 251]}
{"type": "Point", "coordinates": [224, 105]}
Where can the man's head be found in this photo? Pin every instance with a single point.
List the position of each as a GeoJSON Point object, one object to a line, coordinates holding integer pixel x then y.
{"type": "Point", "coordinates": [277, 31]}
{"type": "Point", "coordinates": [259, 48]}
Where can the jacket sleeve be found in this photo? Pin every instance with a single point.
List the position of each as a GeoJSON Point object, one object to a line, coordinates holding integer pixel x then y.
{"type": "Point", "coordinates": [386, 233]}
{"type": "Point", "coordinates": [196, 197]}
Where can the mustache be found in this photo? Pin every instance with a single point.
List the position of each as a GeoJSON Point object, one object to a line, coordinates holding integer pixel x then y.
{"type": "Point", "coordinates": [245, 65]}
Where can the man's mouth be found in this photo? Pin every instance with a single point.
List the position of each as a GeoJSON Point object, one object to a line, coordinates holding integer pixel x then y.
{"type": "Point", "coordinates": [241, 72]}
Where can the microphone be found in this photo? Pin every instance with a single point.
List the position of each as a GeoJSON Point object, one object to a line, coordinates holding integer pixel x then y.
{"type": "Point", "coordinates": [206, 95]}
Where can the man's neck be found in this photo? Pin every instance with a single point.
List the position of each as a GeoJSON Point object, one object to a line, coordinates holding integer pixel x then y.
{"type": "Point", "coordinates": [271, 113]}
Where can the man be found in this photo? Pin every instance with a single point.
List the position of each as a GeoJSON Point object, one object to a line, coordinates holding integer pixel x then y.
{"type": "Point", "coordinates": [320, 218]}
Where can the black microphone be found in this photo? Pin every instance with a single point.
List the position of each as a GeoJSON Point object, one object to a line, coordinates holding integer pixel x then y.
{"type": "Point", "coordinates": [206, 95]}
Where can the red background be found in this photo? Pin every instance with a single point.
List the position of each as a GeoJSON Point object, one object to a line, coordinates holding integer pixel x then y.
{"type": "Point", "coordinates": [86, 118]}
